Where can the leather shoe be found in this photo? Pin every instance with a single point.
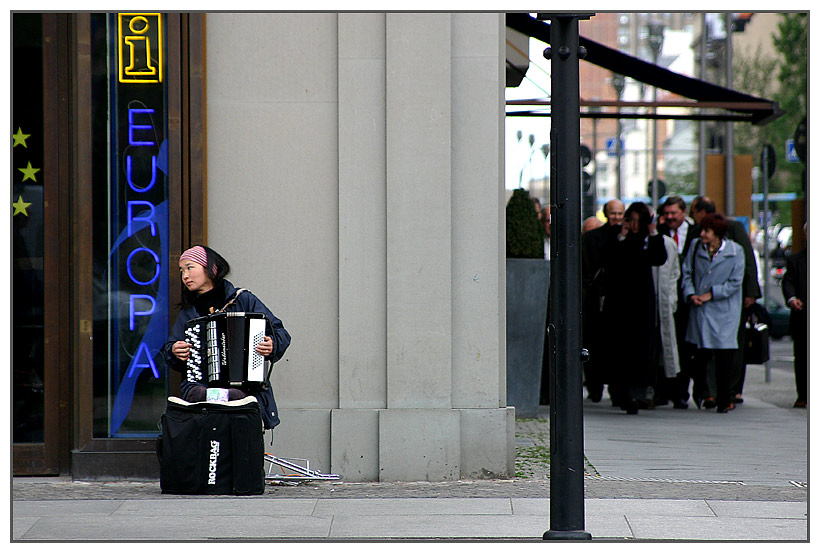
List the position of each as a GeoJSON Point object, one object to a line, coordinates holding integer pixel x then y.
{"type": "Point", "coordinates": [726, 409]}
{"type": "Point", "coordinates": [709, 402]}
{"type": "Point", "coordinates": [738, 399]}
{"type": "Point", "coordinates": [630, 406]}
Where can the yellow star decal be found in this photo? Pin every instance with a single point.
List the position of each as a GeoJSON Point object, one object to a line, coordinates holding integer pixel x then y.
{"type": "Point", "coordinates": [29, 172]}
{"type": "Point", "coordinates": [20, 206]}
{"type": "Point", "coordinates": [20, 138]}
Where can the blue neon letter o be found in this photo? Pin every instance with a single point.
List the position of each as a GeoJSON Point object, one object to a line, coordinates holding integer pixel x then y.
{"type": "Point", "coordinates": [131, 273]}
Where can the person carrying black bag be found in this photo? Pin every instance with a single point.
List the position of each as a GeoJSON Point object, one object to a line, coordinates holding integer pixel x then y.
{"type": "Point", "coordinates": [711, 284]}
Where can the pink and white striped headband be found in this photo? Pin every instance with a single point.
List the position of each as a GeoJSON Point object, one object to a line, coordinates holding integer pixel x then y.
{"type": "Point", "coordinates": [196, 254]}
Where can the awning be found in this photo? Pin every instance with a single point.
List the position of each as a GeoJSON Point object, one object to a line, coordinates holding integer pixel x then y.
{"type": "Point", "coordinates": [705, 95]}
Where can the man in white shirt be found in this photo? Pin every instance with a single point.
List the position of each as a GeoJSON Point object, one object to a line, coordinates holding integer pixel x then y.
{"type": "Point", "coordinates": [675, 224]}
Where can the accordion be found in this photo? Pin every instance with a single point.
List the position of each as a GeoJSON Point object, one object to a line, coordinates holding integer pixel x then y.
{"type": "Point", "coordinates": [223, 353]}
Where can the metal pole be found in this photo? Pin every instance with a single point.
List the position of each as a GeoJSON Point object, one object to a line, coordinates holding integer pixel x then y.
{"type": "Point", "coordinates": [656, 43]}
{"type": "Point", "coordinates": [618, 83]}
{"type": "Point", "coordinates": [729, 146]}
{"type": "Point", "coordinates": [702, 124]}
{"type": "Point", "coordinates": [655, 191]}
{"type": "Point", "coordinates": [766, 276]}
{"type": "Point", "coordinates": [595, 165]}
{"type": "Point", "coordinates": [619, 186]}
{"type": "Point", "coordinates": [566, 386]}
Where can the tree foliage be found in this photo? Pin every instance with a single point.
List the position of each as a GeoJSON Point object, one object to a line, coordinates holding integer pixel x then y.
{"type": "Point", "coordinates": [753, 72]}
{"type": "Point", "coordinates": [791, 42]}
{"type": "Point", "coordinates": [784, 79]}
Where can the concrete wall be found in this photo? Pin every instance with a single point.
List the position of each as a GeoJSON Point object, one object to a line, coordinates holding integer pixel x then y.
{"type": "Point", "coordinates": [355, 183]}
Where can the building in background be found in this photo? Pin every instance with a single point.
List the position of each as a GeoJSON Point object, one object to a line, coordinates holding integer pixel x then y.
{"type": "Point", "coordinates": [678, 159]}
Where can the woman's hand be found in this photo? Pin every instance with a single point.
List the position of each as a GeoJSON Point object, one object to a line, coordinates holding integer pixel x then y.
{"type": "Point", "coordinates": [181, 350]}
{"type": "Point", "coordinates": [265, 347]}
{"type": "Point", "coordinates": [701, 299]}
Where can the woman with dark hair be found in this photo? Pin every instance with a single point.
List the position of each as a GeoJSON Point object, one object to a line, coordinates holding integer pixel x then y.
{"type": "Point", "coordinates": [629, 307]}
{"type": "Point", "coordinates": [205, 291]}
{"type": "Point", "coordinates": [711, 282]}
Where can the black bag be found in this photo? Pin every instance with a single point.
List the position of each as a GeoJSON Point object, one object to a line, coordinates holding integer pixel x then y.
{"type": "Point", "coordinates": [211, 448]}
{"type": "Point", "coordinates": [756, 336]}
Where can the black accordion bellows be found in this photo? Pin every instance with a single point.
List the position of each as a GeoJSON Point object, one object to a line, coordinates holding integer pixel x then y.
{"type": "Point", "coordinates": [222, 349]}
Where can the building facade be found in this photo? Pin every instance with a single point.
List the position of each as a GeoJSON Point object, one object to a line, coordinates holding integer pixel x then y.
{"type": "Point", "coordinates": [349, 167]}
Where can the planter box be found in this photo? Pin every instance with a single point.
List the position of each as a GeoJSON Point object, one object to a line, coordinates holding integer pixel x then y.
{"type": "Point", "coordinates": [527, 288]}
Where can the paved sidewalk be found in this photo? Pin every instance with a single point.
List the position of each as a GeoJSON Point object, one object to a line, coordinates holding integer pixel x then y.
{"type": "Point", "coordinates": [664, 474]}
{"type": "Point", "coordinates": [501, 518]}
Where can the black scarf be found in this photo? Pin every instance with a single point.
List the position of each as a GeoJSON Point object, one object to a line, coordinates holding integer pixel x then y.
{"type": "Point", "coordinates": [211, 300]}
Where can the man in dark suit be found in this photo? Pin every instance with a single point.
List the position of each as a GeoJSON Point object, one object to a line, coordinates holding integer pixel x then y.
{"type": "Point", "coordinates": [675, 224]}
{"type": "Point", "coordinates": [750, 290]}
{"type": "Point", "coordinates": [795, 292]}
{"type": "Point", "coordinates": [592, 246]}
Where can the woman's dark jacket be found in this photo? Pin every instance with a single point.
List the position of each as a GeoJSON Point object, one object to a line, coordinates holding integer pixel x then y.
{"type": "Point", "coordinates": [246, 302]}
{"type": "Point", "coordinates": [629, 303]}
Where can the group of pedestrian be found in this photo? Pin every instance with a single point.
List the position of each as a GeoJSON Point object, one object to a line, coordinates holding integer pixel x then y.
{"type": "Point", "coordinates": [665, 300]}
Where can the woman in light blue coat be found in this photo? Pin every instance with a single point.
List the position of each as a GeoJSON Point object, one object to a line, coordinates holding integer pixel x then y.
{"type": "Point", "coordinates": [711, 283]}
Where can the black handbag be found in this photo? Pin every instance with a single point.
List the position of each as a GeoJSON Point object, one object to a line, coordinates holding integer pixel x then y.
{"type": "Point", "coordinates": [212, 448]}
{"type": "Point", "coordinates": [756, 336]}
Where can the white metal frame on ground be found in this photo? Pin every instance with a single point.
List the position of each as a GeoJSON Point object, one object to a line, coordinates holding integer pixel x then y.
{"type": "Point", "coordinates": [291, 471]}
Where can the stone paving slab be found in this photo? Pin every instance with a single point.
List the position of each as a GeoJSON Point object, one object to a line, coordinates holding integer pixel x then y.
{"type": "Point", "coordinates": [198, 519]}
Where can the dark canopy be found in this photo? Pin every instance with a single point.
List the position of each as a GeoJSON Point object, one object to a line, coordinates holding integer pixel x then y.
{"type": "Point", "coordinates": [757, 110]}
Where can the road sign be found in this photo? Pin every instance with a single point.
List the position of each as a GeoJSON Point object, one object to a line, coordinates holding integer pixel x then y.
{"type": "Point", "coordinates": [612, 147]}
{"type": "Point", "coordinates": [791, 151]}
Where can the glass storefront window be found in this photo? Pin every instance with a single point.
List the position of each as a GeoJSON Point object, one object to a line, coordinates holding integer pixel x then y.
{"type": "Point", "coordinates": [130, 223]}
{"type": "Point", "coordinates": [27, 230]}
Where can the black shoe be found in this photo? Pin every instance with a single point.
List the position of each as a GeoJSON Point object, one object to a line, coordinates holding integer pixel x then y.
{"type": "Point", "coordinates": [680, 404]}
{"type": "Point", "coordinates": [709, 403]}
{"type": "Point", "coordinates": [630, 406]}
{"type": "Point", "coordinates": [738, 399]}
{"type": "Point", "coordinates": [726, 408]}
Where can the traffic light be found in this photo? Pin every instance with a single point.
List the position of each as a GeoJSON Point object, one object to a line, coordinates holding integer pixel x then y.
{"type": "Point", "coordinates": [586, 182]}
{"type": "Point", "coordinates": [588, 194]}
{"type": "Point", "coordinates": [661, 188]}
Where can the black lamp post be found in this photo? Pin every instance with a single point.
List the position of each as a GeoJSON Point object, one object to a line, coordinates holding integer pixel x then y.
{"type": "Point", "coordinates": [566, 386]}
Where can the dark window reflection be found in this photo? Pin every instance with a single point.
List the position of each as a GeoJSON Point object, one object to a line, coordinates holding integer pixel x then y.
{"type": "Point", "coordinates": [27, 228]}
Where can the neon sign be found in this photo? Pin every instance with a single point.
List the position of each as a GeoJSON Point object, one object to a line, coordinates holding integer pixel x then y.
{"type": "Point", "coordinates": [138, 211]}
{"type": "Point", "coordinates": [140, 47]}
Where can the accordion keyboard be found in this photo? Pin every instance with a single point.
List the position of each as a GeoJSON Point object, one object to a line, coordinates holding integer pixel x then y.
{"type": "Point", "coordinates": [194, 374]}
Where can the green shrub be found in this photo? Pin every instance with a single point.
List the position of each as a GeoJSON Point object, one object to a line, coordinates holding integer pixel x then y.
{"type": "Point", "coordinates": [525, 233]}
